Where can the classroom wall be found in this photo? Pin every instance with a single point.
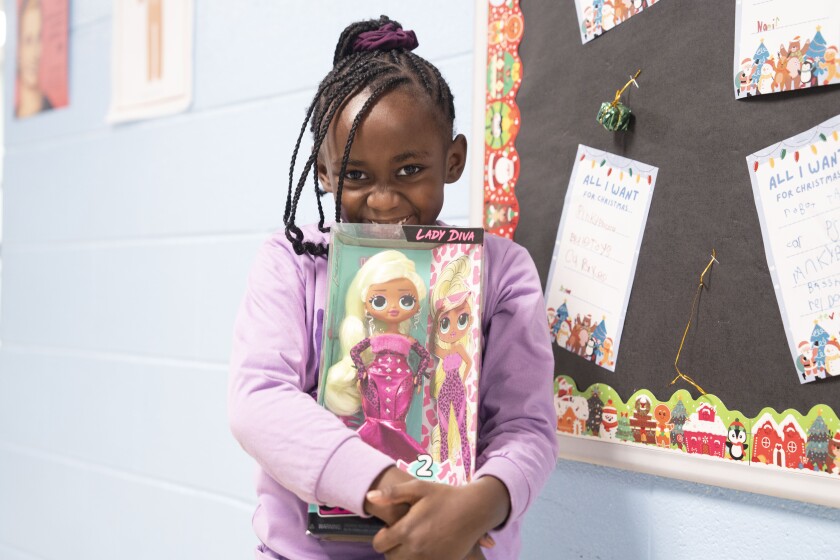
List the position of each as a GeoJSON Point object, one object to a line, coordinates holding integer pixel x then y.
{"type": "Point", "coordinates": [125, 250]}
{"type": "Point", "coordinates": [125, 253]}
{"type": "Point", "coordinates": [600, 513]}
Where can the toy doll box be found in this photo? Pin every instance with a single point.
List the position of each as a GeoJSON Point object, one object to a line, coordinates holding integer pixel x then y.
{"type": "Point", "coordinates": [401, 352]}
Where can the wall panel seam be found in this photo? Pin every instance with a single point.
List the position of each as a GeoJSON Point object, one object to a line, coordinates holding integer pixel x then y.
{"type": "Point", "coordinates": [144, 241]}
{"type": "Point", "coordinates": [19, 551]}
{"type": "Point", "coordinates": [109, 131]}
{"type": "Point", "coordinates": [15, 147]}
{"type": "Point", "coordinates": [10, 346]}
{"type": "Point", "coordinates": [126, 476]}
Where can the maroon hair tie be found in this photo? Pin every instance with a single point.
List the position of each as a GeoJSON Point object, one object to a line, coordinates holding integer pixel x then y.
{"type": "Point", "coordinates": [387, 37]}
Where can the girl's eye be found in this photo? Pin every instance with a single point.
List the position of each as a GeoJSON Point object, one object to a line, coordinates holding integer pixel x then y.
{"type": "Point", "coordinates": [355, 175]}
{"type": "Point", "coordinates": [409, 170]}
{"type": "Point", "coordinates": [463, 319]}
{"type": "Point", "coordinates": [378, 302]}
{"type": "Point", "coordinates": [444, 325]}
{"type": "Point", "coordinates": [407, 302]}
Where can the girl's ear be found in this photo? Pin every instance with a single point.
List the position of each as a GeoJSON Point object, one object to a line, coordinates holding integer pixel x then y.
{"type": "Point", "coordinates": [456, 159]}
{"type": "Point", "coordinates": [324, 177]}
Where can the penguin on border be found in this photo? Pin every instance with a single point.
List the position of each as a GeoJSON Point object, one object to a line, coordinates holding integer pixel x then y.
{"type": "Point", "coordinates": [736, 438]}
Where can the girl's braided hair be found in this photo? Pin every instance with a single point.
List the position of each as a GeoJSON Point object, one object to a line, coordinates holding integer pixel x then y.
{"type": "Point", "coordinates": [374, 56]}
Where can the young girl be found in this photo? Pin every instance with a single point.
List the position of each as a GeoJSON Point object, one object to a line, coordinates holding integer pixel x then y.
{"type": "Point", "coordinates": [382, 121]}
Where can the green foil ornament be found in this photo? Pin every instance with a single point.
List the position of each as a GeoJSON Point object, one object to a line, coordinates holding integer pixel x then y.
{"type": "Point", "coordinates": [614, 116]}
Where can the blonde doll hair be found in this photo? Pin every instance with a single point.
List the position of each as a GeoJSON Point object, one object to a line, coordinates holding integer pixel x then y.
{"type": "Point", "coordinates": [341, 393]}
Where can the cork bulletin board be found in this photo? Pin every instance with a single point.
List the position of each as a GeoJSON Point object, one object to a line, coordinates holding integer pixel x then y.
{"type": "Point", "coordinates": [540, 88]}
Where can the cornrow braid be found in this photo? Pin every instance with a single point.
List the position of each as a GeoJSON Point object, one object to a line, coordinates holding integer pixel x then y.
{"type": "Point", "coordinates": [445, 97]}
{"type": "Point", "coordinates": [343, 93]}
{"type": "Point", "coordinates": [419, 71]}
{"type": "Point", "coordinates": [324, 84]}
{"type": "Point", "coordinates": [293, 232]}
{"type": "Point", "coordinates": [354, 85]}
{"type": "Point", "coordinates": [329, 81]}
{"type": "Point", "coordinates": [374, 97]}
{"type": "Point", "coordinates": [355, 70]}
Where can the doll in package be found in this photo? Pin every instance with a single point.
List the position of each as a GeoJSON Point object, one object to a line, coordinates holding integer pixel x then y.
{"type": "Point", "coordinates": [401, 352]}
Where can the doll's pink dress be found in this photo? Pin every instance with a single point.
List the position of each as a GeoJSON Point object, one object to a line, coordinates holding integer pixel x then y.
{"type": "Point", "coordinates": [452, 394]}
{"type": "Point", "coordinates": [387, 386]}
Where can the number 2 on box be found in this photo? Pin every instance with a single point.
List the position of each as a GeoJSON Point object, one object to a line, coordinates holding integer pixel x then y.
{"type": "Point", "coordinates": [423, 471]}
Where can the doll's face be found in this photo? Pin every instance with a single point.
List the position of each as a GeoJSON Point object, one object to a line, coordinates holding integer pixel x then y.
{"type": "Point", "coordinates": [393, 301]}
{"type": "Point", "coordinates": [453, 324]}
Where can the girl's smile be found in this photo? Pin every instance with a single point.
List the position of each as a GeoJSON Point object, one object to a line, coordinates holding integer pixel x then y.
{"type": "Point", "coordinates": [400, 159]}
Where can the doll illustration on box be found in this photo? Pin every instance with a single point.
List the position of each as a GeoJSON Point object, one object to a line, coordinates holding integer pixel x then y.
{"type": "Point", "coordinates": [453, 318]}
{"type": "Point", "coordinates": [382, 303]}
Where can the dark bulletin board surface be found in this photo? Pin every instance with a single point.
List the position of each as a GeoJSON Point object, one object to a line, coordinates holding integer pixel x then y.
{"type": "Point", "coordinates": [689, 124]}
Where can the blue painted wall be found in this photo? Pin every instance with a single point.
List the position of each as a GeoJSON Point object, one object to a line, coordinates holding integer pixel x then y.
{"type": "Point", "coordinates": [600, 513]}
{"type": "Point", "coordinates": [125, 250]}
{"type": "Point", "coordinates": [125, 253]}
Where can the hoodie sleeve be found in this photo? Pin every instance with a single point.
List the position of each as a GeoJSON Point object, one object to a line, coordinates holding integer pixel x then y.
{"type": "Point", "coordinates": [274, 364]}
{"type": "Point", "coordinates": [517, 441]}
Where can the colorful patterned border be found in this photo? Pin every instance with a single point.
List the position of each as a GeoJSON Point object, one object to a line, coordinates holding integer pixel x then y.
{"type": "Point", "coordinates": [501, 117]}
{"type": "Point", "coordinates": [813, 64]}
{"type": "Point", "coordinates": [820, 135]}
{"type": "Point", "coordinates": [804, 443]}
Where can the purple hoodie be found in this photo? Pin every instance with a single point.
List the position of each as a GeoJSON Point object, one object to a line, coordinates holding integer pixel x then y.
{"type": "Point", "coordinates": [306, 454]}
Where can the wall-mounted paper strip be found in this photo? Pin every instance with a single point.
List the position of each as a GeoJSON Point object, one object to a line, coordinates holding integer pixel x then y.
{"type": "Point", "coordinates": [796, 184]}
{"type": "Point", "coordinates": [785, 46]}
{"type": "Point", "coordinates": [595, 255]}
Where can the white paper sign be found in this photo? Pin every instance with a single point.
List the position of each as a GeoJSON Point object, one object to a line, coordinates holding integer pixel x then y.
{"type": "Point", "coordinates": [152, 58]}
{"type": "Point", "coordinates": [796, 184]}
{"type": "Point", "coordinates": [598, 16]}
{"type": "Point", "coordinates": [595, 255]}
{"type": "Point", "coordinates": [782, 45]}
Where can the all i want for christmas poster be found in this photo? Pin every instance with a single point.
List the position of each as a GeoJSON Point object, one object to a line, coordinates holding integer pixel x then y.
{"type": "Point", "coordinates": [782, 45]}
{"type": "Point", "coordinates": [597, 16]}
{"type": "Point", "coordinates": [594, 261]}
{"type": "Point", "coordinates": [796, 184]}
